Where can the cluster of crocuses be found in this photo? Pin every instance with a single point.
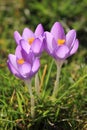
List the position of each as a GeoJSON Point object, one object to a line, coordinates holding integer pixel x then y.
{"type": "Point", "coordinates": [26, 61]}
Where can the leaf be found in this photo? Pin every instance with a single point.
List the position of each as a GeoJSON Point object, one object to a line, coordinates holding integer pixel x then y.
{"type": "Point", "coordinates": [19, 103]}
{"type": "Point", "coordinates": [48, 74]}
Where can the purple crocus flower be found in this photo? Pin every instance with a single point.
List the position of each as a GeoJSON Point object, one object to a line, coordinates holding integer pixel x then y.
{"type": "Point", "coordinates": [34, 39]}
{"type": "Point", "coordinates": [23, 64]}
{"type": "Point", "coordinates": [59, 45]}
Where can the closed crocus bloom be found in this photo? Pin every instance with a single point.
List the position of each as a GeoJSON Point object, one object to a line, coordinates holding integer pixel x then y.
{"type": "Point", "coordinates": [59, 45]}
{"type": "Point", "coordinates": [34, 39]}
{"type": "Point", "coordinates": [23, 64]}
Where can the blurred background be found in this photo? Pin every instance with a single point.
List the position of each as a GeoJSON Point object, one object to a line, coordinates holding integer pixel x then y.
{"type": "Point", "coordinates": [17, 14]}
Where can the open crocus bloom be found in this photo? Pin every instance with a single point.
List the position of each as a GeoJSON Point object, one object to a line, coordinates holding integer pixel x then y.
{"type": "Point", "coordinates": [23, 64]}
{"type": "Point", "coordinates": [59, 45]}
{"type": "Point", "coordinates": [35, 40]}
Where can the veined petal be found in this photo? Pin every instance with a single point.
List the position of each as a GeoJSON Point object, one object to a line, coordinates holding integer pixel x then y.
{"type": "Point", "coordinates": [25, 69]}
{"type": "Point", "coordinates": [13, 70]}
{"type": "Point", "coordinates": [27, 33]}
{"type": "Point", "coordinates": [49, 42]}
{"type": "Point", "coordinates": [36, 46]}
{"type": "Point", "coordinates": [58, 31]}
{"type": "Point", "coordinates": [26, 52]}
{"type": "Point", "coordinates": [70, 38]}
{"type": "Point", "coordinates": [39, 30]}
{"type": "Point", "coordinates": [13, 60]}
{"type": "Point", "coordinates": [36, 65]}
{"type": "Point", "coordinates": [25, 46]}
{"type": "Point", "coordinates": [61, 52]}
{"type": "Point", "coordinates": [30, 58]}
{"type": "Point", "coordinates": [75, 47]}
{"type": "Point", "coordinates": [17, 37]}
{"type": "Point", "coordinates": [18, 52]}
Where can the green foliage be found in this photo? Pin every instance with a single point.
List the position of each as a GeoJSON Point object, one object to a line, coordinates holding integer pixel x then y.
{"type": "Point", "coordinates": [73, 13]}
{"type": "Point", "coordinates": [68, 110]}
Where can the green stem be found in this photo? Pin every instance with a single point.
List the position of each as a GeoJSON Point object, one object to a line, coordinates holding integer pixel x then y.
{"type": "Point", "coordinates": [59, 65]}
{"type": "Point", "coordinates": [37, 85]}
{"type": "Point", "coordinates": [28, 84]}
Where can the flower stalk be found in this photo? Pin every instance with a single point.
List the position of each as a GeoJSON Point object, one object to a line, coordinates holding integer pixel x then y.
{"type": "Point", "coordinates": [59, 65]}
{"type": "Point", "coordinates": [37, 85]}
{"type": "Point", "coordinates": [28, 84]}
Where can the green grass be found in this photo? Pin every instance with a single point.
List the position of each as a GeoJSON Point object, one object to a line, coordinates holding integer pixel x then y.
{"type": "Point", "coordinates": [66, 111]}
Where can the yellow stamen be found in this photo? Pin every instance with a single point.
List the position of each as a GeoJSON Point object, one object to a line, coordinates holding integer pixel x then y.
{"type": "Point", "coordinates": [30, 40]}
{"type": "Point", "coordinates": [61, 41]}
{"type": "Point", "coordinates": [20, 61]}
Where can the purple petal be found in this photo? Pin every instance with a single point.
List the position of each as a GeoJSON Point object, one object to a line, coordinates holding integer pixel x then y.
{"type": "Point", "coordinates": [17, 37]}
{"type": "Point", "coordinates": [18, 52]}
{"type": "Point", "coordinates": [13, 70]}
{"type": "Point", "coordinates": [27, 33]}
{"type": "Point", "coordinates": [36, 46]}
{"type": "Point", "coordinates": [61, 52]}
{"type": "Point", "coordinates": [39, 30]}
{"type": "Point", "coordinates": [25, 69]}
{"type": "Point", "coordinates": [26, 52]}
{"type": "Point", "coordinates": [58, 31]}
{"type": "Point", "coordinates": [30, 58]}
{"type": "Point", "coordinates": [49, 42]}
{"type": "Point", "coordinates": [25, 46]}
{"type": "Point", "coordinates": [70, 37]}
{"type": "Point", "coordinates": [12, 64]}
{"type": "Point", "coordinates": [13, 60]}
{"type": "Point", "coordinates": [75, 47]}
{"type": "Point", "coordinates": [36, 65]}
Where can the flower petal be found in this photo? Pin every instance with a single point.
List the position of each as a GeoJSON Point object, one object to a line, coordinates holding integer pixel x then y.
{"type": "Point", "coordinates": [58, 31]}
{"type": "Point", "coordinates": [18, 52]}
{"type": "Point", "coordinates": [49, 42]}
{"type": "Point", "coordinates": [17, 37]}
{"type": "Point", "coordinates": [30, 58]}
{"type": "Point", "coordinates": [27, 53]}
{"type": "Point", "coordinates": [39, 30]}
{"type": "Point", "coordinates": [27, 33]}
{"type": "Point", "coordinates": [13, 70]}
{"type": "Point", "coordinates": [25, 70]}
{"type": "Point", "coordinates": [36, 65]}
{"type": "Point", "coordinates": [61, 52]}
{"type": "Point", "coordinates": [75, 47]}
{"type": "Point", "coordinates": [13, 60]}
{"type": "Point", "coordinates": [70, 38]}
{"type": "Point", "coordinates": [12, 65]}
{"type": "Point", "coordinates": [36, 46]}
{"type": "Point", "coordinates": [25, 46]}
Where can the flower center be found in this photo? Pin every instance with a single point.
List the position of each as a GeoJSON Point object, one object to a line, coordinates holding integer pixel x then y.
{"type": "Point", "coordinates": [20, 61]}
{"type": "Point", "coordinates": [61, 41]}
{"type": "Point", "coordinates": [30, 40]}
